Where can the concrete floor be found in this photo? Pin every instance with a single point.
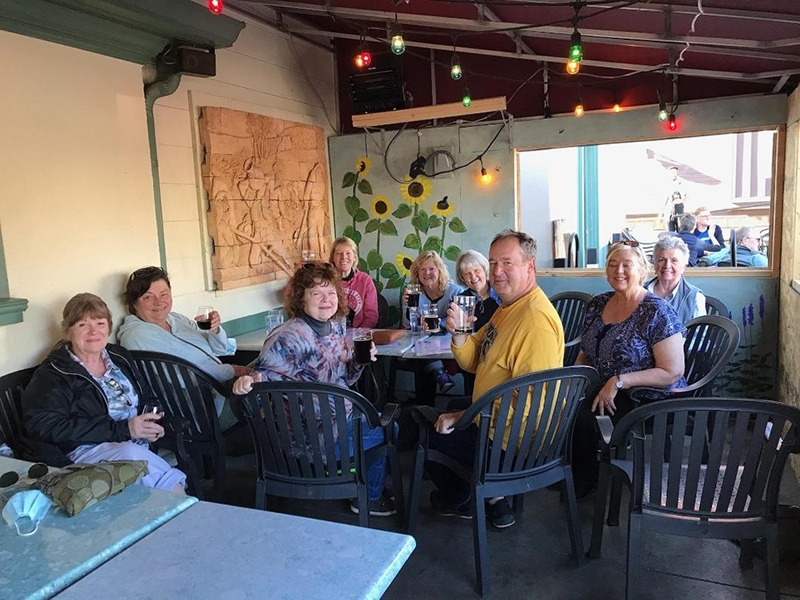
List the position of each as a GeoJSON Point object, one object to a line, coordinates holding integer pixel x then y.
{"type": "Point", "coordinates": [531, 559]}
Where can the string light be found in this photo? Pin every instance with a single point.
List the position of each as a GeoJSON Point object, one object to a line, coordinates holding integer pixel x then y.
{"type": "Point", "coordinates": [617, 108]}
{"type": "Point", "coordinates": [486, 177]}
{"type": "Point", "coordinates": [579, 107]}
{"type": "Point", "coordinates": [398, 43]}
{"type": "Point", "coordinates": [573, 67]}
{"type": "Point", "coordinates": [455, 67]}
{"type": "Point", "coordinates": [466, 100]}
{"type": "Point", "coordinates": [215, 6]}
{"type": "Point", "coordinates": [363, 59]}
{"type": "Point", "coordinates": [575, 48]}
{"type": "Point", "coordinates": [671, 123]}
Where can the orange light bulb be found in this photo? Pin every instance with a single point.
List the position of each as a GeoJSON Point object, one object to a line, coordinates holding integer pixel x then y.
{"type": "Point", "coordinates": [486, 177]}
{"type": "Point", "coordinates": [579, 110]}
{"type": "Point", "coordinates": [573, 67]}
{"type": "Point", "coordinates": [617, 108]}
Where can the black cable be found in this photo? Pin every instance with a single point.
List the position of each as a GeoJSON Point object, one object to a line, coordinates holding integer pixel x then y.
{"type": "Point", "coordinates": [474, 160]}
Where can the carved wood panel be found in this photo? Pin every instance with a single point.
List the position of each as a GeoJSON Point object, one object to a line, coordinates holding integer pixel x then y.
{"type": "Point", "coordinates": [267, 184]}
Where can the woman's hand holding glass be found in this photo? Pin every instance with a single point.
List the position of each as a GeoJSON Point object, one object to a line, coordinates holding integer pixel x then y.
{"type": "Point", "coordinates": [146, 427]}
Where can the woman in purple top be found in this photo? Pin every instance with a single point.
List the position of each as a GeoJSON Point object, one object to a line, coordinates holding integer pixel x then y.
{"type": "Point", "coordinates": [633, 338]}
{"type": "Point", "coordinates": [311, 347]}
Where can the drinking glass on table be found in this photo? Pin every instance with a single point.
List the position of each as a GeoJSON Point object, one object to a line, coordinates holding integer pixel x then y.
{"type": "Point", "coordinates": [203, 317]}
{"type": "Point", "coordinates": [362, 346]}
{"type": "Point", "coordinates": [273, 319]}
{"type": "Point", "coordinates": [430, 315]}
{"type": "Point", "coordinates": [465, 310]}
{"type": "Point", "coordinates": [309, 256]}
{"type": "Point", "coordinates": [412, 295]}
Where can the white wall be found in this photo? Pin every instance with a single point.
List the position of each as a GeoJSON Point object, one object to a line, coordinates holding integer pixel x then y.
{"type": "Point", "coordinates": [258, 74]}
{"type": "Point", "coordinates": [76, 203]}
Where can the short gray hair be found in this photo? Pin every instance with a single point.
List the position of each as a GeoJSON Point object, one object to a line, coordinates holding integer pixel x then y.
{"type": "Point", "coordinates": [744, 232]}
{"type": "Point", "coordinates": [526, 243]}
{"type": "Point", "coordinates": [688, 222]}
{"type": "Point", "coordinates": [468, 259]}
{"type": "Point", "coordinates": [671, 242]}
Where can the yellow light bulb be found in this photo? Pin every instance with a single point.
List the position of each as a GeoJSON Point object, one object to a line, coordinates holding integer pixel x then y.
{"type": "Point", "coordinates": [617, 108]}
{"type": "Point", "coordinates": [486, 177]}
{"type": "Point", "coordinates": [579, 110]}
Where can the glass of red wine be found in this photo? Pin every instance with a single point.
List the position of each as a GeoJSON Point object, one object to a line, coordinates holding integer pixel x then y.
{"type": "Point", "coordinates": [203, 317]}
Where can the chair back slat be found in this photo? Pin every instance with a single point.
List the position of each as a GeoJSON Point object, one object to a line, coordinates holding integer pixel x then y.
{"type": "Point", "coordinates": [710, 343]}
{"type": "Point", "coordinates": [11, 387]}
{"type": "Point", "coordinates": [346, 451]}
{"type": "Point", "coordinates": [311, 405]}
{"type": "Point", "coordinates": [540, 437]}
{"type": "Point", "coordinates": [326, 422]}
{"type": "Point", "coordinates": [571, 309]}
{"type": "Point", "coordinates": [715, 306]}
{"type": "Point", "coordinates": [300, 433]}
{"type": "Point", "coordinates": [731, 466]}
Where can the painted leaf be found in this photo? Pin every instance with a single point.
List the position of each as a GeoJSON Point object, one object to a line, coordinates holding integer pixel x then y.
{"type": "Point", "coordinates": [353, 234]}
{"type": "Point", "coordinates": [362, 264]}
{"type": "Point", "coordinates": [372, 225]}
{"type": "Point", "coordinates": [349, 179]}
{"type": "Point", "coordinates": [435, 221]}
{"type": "Point", "coordinates": [351, 205]}
{"type": "Point", "coordinates": [388, 270]}
{"type": "Point", "coordinates": [364, 187]}
{"type": "Point", "coordinates": [361, 215]}
{"type": "Point", "coordinates": [433, 243]}
{"type": "Point", "coordinates": [420, 221]}
{"type": "Point", "coordinates": [388, 228]}
{"type": "Point", "coordinates": [374, 260]}
{"type": "Point", "coordinates": [412, 241]}
{"type": "Point", "coordinates": [379, 286]}
{"type": "Point", "coordinates": [402, 211]}
{"type": "Point", "coordinates": [452, 252]}
{"type": "Point", "coordinates": [395, 281]}
{"type": "Point", "coordinates": [457, 225]}
{"type": "Point", "coordinates": [393, 316]}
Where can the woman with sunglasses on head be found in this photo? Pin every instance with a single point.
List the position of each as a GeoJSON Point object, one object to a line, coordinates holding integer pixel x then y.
{"type": "Point", "coordinates": [153, 326]}
{"type": "Point", "coordinates": [633, 338]}
{"type": "Point", "coordinates": [83, 402]}
{"type": "Point", "coordinates": [311, 347]}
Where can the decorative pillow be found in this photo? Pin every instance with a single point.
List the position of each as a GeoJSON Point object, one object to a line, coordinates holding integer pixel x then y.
{"type": "Point", "coordinates": [386, 336]}
{"type": "Point", "coordinates": [80, 485]}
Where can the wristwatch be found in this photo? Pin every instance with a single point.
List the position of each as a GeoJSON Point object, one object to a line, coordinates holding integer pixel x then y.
{"type": "Point", "coordinates": [619, 382]}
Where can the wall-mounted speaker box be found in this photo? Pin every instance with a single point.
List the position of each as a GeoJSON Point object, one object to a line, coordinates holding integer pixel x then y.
{"type": "Point", "coordinates": [379, 87]}
{"type": "Point", "coordinates": [198, 61]}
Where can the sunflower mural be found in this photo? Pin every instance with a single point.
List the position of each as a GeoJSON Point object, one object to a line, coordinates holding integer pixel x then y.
{"type": "Point", "coordinates": [383, 215]}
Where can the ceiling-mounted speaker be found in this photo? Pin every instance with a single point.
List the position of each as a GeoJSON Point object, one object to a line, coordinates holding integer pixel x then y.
{"type": "Point", "coordinates": [379, 87]}
{"type": "Point", "coordinates": [197, 60]}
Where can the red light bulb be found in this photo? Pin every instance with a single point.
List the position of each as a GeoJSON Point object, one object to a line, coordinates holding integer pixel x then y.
{"type": "Point", "coordinates": [671, 123]}
{"type": "Point", "coordinates": [215, 6]}
{"type": "Point", "coordinates": [366, 58]}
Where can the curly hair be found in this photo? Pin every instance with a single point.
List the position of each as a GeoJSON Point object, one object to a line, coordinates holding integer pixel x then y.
{"type": "Point", "coordinates": [444, 276]}
{"type": "Point", "coordinates": [307, 276]}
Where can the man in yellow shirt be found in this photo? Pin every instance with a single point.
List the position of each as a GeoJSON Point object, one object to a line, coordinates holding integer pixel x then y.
{"type": "Point", "coordinates": [523, 336]}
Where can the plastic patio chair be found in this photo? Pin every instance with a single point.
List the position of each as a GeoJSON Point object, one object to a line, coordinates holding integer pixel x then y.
{"type": "Point", "coordinates": [11, 387]}
{"type": "Point", "coordinates": [715, 306]}
{"type": "Point", "coordinates": [729, 492]}
{"type": "Point", "coordinates": [540, 458]}
{"type": "Point", "coordinates": [571, 308]}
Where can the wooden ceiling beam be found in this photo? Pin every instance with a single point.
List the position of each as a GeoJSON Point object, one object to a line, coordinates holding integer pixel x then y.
{"type": "Point", "coordinates": [428, 113]}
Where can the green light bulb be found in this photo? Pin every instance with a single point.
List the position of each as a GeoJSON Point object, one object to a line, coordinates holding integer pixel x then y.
{"type": "Point", "coordinates": [398, 45]}
{"type": "Point", "coordinates": [455, 68]}
{"type": "Point", "coordinates": [467, 99]}
{"type": "Point", "coordinates": [576, 53]}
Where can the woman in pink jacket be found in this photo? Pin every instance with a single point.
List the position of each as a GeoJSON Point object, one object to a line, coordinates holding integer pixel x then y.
{"type": "Point", "coordinates": [362, 298]}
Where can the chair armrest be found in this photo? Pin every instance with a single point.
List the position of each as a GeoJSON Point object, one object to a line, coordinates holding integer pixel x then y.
{"type": "Point", "coordinates": [606, 427]}
{"type": "Point", "coordinates": [636, 393]}
{"type": "Point", "coordinates": [426, 413]}
{"type": "Point", "coordinates": [390, 414]}
{"type": "Point", "coordinates": [175, 426]}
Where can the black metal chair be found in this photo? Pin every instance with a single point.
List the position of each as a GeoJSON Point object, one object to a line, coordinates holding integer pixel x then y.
{"type": "Point", "coordinates": [291, 459]}
{"type": "Point", "coordinates": [709, 345]}
{"type": "Point", "coordinates": [571, 308]}
{"type": "Point", "coordinates": [187, 391]}
{"type": "Point", "coordinates": [11, 387]}
{"type": "Point", "coordinates": [715, 306]}
{"type": "Point", "coordinates": [732, 493]}
{"type": "Point", "coordinates": [539, 459]}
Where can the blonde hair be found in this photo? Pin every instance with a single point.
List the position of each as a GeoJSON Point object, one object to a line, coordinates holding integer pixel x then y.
{"type": "Point", "coordinates": [444, 276]}
{"type": "Point", "coordinates": [81, 306]}
{"type": "Point", "coordinates": [343, 241]}
{"type": "Point", "coordinates": [642, 264]}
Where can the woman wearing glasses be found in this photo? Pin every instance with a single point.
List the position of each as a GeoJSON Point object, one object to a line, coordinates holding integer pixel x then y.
{"type": "Point", "coordinates": [311, 347]}
{"type": "Point", "coordinates": [633, 338]}
{"type": "Point", "coordinates": [82, 403]}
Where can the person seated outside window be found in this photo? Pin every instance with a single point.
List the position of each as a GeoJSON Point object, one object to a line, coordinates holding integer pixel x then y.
{"type": "Point", "coordinates": [710, 235]}
{"type": "Point", "coordinates": [695, 246]}
{"type": "Point", "coordinates": [747, 254]}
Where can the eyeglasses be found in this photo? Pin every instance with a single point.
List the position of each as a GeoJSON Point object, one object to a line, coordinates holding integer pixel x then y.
{"type": "Point", "coordinates": [147, 272]}
{"type": "Point", "coordinates": [117, 389]}
{"type": "Point", "coordinates": [35, 472]}
{"type": "Point", "coordinates": [629, 243]}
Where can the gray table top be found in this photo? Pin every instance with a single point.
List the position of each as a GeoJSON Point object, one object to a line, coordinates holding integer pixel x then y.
{"type": "Point", "coordinates": [219, 551]}
{"type": "Point", "coordinates": [64, 549]}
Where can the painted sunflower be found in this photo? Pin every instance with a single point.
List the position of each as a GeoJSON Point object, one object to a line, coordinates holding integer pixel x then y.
{"type": "Point", "coordinates": [403, 262]}
{"type": "Point", "coordinates": [417, 190]}
{"type": "Point", "coordinates": [381, 208]}
{"type": "Point", "coordinates": [363, 166]}
{"type": "Point", "coordinates": [443, 207]}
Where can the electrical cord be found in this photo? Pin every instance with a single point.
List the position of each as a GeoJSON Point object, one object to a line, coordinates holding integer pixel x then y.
{"type": "Point", "coordinates": [309, 82]}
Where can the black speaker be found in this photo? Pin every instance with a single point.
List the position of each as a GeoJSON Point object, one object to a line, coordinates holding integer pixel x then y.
{"type": "Point", "coordinates": [195, 60]}
{"type": "Point", "coordinates": [379, 87]}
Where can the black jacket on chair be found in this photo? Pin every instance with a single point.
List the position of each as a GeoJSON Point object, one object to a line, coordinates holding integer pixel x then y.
{"type": "Point", "coordinates": [64, 407]}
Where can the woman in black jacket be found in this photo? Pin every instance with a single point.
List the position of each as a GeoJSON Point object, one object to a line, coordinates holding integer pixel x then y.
{"type": "Point", "coordinates": [84, 398]}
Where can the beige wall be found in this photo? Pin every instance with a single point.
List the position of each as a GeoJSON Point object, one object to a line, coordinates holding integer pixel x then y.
{"type": "Point", "coordinates": [260, 75]}
{"type": "Point", "coordinates": [789, 302]}
{"type": "Point", "coordinates": [76, 203]}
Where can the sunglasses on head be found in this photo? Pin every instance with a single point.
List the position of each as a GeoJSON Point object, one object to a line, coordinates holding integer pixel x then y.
{"type": "Point", "coordinates": [629, 243]}
{"type": "Point", "coordinates": [146, 272]}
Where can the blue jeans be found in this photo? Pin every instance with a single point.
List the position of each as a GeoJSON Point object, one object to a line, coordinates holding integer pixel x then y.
{"type": "Point", "coordinates": [372, 436]}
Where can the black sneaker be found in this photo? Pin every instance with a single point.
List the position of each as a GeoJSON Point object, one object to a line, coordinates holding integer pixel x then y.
{"type": "Point", "coordinates": [447, 509]}
{"type": "Point", "coordinates": [382, 507]}
{"type": "Point", "coordinates": [500, 513]}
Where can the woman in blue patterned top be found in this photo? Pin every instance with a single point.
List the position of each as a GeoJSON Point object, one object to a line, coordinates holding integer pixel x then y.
{"type": "Point", "coordinates": [311, 347]}
{"type": "Point", "coordinates": [633, 338]}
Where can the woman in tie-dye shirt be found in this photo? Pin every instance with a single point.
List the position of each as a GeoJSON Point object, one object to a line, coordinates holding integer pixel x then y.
{"type": "Point", "coordinates": [311, 347]}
